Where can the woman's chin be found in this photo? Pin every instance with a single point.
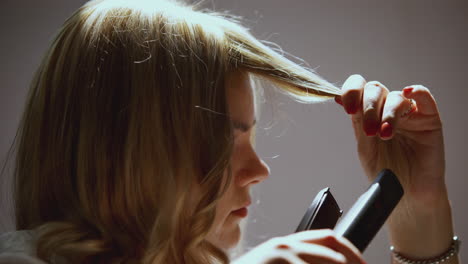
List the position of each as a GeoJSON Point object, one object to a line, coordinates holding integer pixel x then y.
{"type": "Point", "coordinates": [227, 240]}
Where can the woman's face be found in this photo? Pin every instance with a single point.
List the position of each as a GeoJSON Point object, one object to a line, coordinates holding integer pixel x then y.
{"type": "Point", "coordinates": [246, 167]}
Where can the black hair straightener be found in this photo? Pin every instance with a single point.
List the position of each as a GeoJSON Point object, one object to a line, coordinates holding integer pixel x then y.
{"type": "Point", "coordinates": [366, 216]}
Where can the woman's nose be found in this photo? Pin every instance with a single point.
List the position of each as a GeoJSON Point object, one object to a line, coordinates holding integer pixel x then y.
{"type": "Point", "coordinates": [254, 171]}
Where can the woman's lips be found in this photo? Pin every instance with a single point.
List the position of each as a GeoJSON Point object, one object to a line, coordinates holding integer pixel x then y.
{"type": "Point", "coordinates": [241, 212]}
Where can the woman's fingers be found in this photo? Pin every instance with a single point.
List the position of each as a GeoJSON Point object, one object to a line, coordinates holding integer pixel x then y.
{"type": "Point", "coordinates": [423, 97]}
{"type": "Point", "coordinates": [341, 245]}
{"type": "Point", "coordinates": [376, 111]}
{"type": "Point", "coordinates": [328, 239]}
{"type": "Point", "coordinates": [374, 98]}
{"type": "Point", "coordinates": [425, 116]}
{"type": "Point", "coordinates": [369, 97]}
{"type": "Point", "coordinates": [352, 93]}
{"type": "Point", "coordinates": [396, 109]}
{"type": "Point", "coordinates": [321, 254]}
{"type": "Point", "coordinates": [285, 257]}
{"type": "Point", "coordinates": [314, 246]}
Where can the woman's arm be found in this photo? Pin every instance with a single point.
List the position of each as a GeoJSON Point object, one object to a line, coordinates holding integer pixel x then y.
{"type": "Point", "coordinates": [418, 231]}
{"type": "Point", "coordinates": [402, 131]}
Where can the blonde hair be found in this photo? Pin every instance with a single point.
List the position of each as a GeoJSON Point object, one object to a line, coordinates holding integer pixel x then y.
{"type": "Point", "coordinates": [119, 125]}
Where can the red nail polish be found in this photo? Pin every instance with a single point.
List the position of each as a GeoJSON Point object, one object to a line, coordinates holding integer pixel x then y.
{"type": "Point", "coordinates": [352, 109]}
{"type": "Point", "coordinates": [371, 127]}
{"type": "Point", "coordinates": [386, 130]}
{"type": "Point", "coordinates": [407, 90]}
{"type": "Point", "coordinates": [338, 100]}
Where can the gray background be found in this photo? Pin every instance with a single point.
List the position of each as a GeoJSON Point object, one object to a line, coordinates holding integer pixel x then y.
{"type": "Point", "coordinates": [398, 43]}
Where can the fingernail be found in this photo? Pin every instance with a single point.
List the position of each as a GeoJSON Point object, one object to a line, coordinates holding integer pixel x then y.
{"type": "Point", "coordinates": [386, 130]}
{"type": "Point", "coordinates": [338, 100]}
{"type": "Point", "coordinates": [407, 90]}
{"type": "Point", "coordinates": [351, 109]}
{"type": "Point", "coordinates": [371, 127]}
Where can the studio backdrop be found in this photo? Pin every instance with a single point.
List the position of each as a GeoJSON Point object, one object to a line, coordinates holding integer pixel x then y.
{"type": "Point", "coordinates": [308, 147]}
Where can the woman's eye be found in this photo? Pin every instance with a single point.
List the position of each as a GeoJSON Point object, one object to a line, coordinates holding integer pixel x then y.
{"type": "Point", "coordinates": [238, 134]}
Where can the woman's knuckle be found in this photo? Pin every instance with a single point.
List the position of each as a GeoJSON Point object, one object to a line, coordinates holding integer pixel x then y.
{"type": "Point", "coordinates": [357, 76]}
{"type": "Point", "coordinates": [377, 86]}
{"type": "Point", "coordinates": [354, 82]}
{"type": "Point", "coordinates": [374, 84]}
{"type": "Point", "coordinates": [394, 94]}
{"type": "Point", "coordinates": [421, 89]}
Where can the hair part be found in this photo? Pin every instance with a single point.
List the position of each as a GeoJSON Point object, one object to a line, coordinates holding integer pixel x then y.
{"type": "Point", "coordinates": [118, 128]}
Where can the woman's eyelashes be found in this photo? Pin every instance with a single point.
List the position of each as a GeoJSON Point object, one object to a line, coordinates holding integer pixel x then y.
{"type": "Point", "coordinates": [240, 135]}
{"type": "Point", "coordinates": [243, 126]}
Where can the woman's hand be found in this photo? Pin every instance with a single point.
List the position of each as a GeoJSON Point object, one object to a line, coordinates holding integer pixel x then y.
{"type": "Point", "coordinates": [317, 246]}
{"type": "Point", "coordinates": [393, 133]}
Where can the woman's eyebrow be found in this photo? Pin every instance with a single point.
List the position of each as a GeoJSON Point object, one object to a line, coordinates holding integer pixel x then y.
{"type": "Point", "coordinates": [244, 127]}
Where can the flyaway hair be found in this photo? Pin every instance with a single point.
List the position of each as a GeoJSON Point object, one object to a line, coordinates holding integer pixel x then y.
{"type": "Point", "coordinates": [114, 134]}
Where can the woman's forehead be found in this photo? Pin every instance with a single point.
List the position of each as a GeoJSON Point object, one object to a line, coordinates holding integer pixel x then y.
{"type": "Point", "coordinates": [240, 97]}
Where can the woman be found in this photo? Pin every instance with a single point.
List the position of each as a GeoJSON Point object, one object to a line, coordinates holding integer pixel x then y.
{"type": "Point", "coordinates": [135, 144]}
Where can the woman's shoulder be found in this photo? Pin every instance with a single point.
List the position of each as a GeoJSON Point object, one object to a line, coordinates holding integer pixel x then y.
{"type": "Point", "coordinates": [18, 247]}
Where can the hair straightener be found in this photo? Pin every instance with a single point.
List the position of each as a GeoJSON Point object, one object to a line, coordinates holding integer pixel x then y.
{"type": "Point", "coordinates": [366, 216]}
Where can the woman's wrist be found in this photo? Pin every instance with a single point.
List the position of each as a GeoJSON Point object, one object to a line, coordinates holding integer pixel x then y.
{"type": "Point", "coordinates": [449, 256]}
{"type": "Point", "coordinates": [420, 230]}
